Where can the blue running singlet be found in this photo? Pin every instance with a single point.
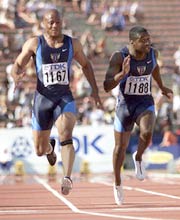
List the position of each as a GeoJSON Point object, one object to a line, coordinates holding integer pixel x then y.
{"type": "Point", "coordinates": [135, 91]}
{"type": "Point", "coordinates": [52, 96]}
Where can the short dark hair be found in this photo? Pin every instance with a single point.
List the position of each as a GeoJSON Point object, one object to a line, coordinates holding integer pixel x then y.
{"type": "Point", "coordinates": [136, 31]}
{"type": "Point", "coordinates": [51, 10]}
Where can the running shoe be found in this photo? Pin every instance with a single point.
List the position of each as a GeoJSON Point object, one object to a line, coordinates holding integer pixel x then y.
{"type": "Point", "coordinates": [52, 156]}
{"type": "Point", "coordinates": [139, 168]}
{"type": "Point", "coordinates": [66, 185]}
{"type": "Point", "coordinates": [118, 194]}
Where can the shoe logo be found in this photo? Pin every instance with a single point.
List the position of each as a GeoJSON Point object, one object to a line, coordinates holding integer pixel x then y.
{"type": "Point", "coordinates": [149, 61]}
{"type": "Point", "coordinates": [63, 50]}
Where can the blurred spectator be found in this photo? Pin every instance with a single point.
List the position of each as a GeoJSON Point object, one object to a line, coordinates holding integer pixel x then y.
{"type": "Point", "coordinates": [125, 8]}
{"type": "Point", "coordinates": [89, 114]}
{"type": "Point", "coordinates": [80, 85]}
{"type": "Point", "coordinates": [88, 7]}
{"type": "Point", "coordinates": [106, 20]}
{"type": "Point", "coordinates": [5, 160]}
{"type": "Point", "coordinates": [88, 42]}
{"type": "Point", "coordinates": [14, 15]}
{"type": "Point", "coordinates": [7, 13]}
{"type": "Point", "coordinates": [164, 108]}
{"type": "Point", "coordinates": [109, 106]}
{"type": "Point", "coordinates": [10, 94]}
{"type": "Point", "coordinates": [112, 18]}
{"type": "Point", "coordinates": [93, 47]}
{"type": "Point", "coordinates": [165, 120]}
{"type": "Point", "coordinates": [3, 44]}
{"type": "Point", "coordinates": [37, 7]}
{"type": "Point", "coordinates": [101, 49]}
{"type": "Point", "coordinates": [176, 103]}
{"type": "Point", "coordinates": [85, 110]}
{"type": "Point", "coordinates": [75, 77]}
{"type": "Point", "coordinates": [169, 139]}
{"type": "Point", "coordinates": [3, 110]}
{"type": "Point", "coordinates": [117, 16]}
{"type": "Point", "coordinates": [37, 29]}
{"type": "Point", "coordinates": [136, 12]}
{"type": "Point", "coordinates": [15, 41]}
{"type": "Point", "coordinates": [7, 19]}
{"type": "Point", "coordinates": [96, 116]}
{"type": "Point", "coordinates": [77, 5]}
{"type": "Point", "coordinates": [177, 60]}
{"type": "Point", "coordinates": [83, 87]}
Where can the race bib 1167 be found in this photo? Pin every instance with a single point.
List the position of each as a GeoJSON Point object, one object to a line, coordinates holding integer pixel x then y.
{"type": "Point", "coordinates": [55, 73]}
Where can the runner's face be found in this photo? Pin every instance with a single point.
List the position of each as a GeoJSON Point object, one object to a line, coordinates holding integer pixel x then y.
{"type": "Point", "coordinates": [53, 24]}
{"type": "Point", "coordinates": [143, 43]}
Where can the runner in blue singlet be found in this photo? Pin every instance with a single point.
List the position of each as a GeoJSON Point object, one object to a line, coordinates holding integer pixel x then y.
{"type": "Point", "coordinates": [53, 101]}
{"type": "Point", "coordinates": [132, 69]}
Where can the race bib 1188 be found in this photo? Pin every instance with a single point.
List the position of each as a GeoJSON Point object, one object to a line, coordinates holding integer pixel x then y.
{"type": "Point", "coordinates": [138, 85]}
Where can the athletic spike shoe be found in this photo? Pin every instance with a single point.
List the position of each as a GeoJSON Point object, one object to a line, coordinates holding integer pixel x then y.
{"type": "Point", "coordinates": [139, 168]}
{"type": "Point", "coordinates": [118, 194]}
{"type": "Point", "coordinates": [52, 156]}
{"type": "Point", "coordinates": [66, 185]}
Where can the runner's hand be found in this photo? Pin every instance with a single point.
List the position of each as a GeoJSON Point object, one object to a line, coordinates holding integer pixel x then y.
{"type": "Point", "coordinates": [97, 100]}
{"type": "Point", "coordinates": [126, 65]}
{"type": "Point", "coordinates": [168, 93]}
{"type": "Point", "coordinates": [18, 80]}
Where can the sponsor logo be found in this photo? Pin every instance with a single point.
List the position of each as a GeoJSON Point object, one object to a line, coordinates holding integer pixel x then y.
{"type": "Point", "coordinates": [55, 57]}
{"type": "Point", "coordinates": [149, 61]}
{"type": "Point", "coordinates": [141, 69]}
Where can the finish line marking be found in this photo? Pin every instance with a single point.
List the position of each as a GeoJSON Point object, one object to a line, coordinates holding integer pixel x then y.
{"type": "Point", "coordinates": [76, 210]}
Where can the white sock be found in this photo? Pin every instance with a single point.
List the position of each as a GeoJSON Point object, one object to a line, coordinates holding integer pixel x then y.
{"type": "Point", "coordinates": [50, 149]}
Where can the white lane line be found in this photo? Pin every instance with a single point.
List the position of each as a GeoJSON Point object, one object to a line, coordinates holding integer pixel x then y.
{"type": "Point", "coordinates": [165, 178]}
{"type": "Point", "coordinates": [76, 210]}
{"type": "Point", "coordinates": [160, 180]}
{"type": "Point", "coordinates": [15, 211]}
{"type": "Point", "coordinates": [165, 181]}
{"type": "Point", "coordinates": [165, 175]}
{"type": "Point", "coordinates": [120, 216]}
{"type": "Point", "coordinates": [148, 209]}
{"type": "Point", "coordinates": [140, 190]}
{"type": "Point", "coordinates": [152, 192]}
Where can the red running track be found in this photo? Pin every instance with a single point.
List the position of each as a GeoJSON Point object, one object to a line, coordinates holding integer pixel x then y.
{"type": "Point", "coordinates": [36, 198]}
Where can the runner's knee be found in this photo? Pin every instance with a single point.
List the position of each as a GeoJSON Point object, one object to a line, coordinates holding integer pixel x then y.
{"type": "Point", "coordinates": [119, 150]}
{"type": "Point", "coordinates": [146, 135]}
{"type": "Point", "coordinates": [39, 151]}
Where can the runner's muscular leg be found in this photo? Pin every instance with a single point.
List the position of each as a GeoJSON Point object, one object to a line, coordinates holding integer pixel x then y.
{"type": "Point", "coordinates": [41, 141]}
{"type": "Point", "coordinates": [65, 124]}
{"type": "Point", "coordinates": [146, 123]}
{"type": "Point", "coordinates": [121, 143]}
